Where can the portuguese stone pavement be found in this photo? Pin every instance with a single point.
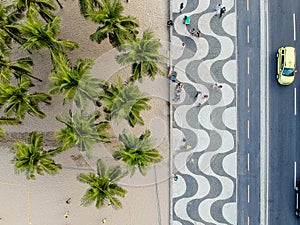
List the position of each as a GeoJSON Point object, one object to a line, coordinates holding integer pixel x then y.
{"type": "Point", "coordinates": [203, 138]}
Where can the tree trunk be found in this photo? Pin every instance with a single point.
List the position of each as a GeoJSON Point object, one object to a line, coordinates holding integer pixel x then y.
{"type": "Point", "coordinates": [59, 4]}
{"type": "Point", "coordinates": [33, 77]}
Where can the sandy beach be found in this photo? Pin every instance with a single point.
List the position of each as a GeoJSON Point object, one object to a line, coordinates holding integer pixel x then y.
{"type": "Point", "coordinates": [42, 201]}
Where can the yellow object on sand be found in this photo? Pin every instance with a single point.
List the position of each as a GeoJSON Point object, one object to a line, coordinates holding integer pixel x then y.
{"type": "Point", "coordinates": [188, 147]}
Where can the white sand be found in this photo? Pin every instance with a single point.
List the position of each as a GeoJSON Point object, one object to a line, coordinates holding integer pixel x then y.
{"type": "Point", "coordinates": [42, 202]}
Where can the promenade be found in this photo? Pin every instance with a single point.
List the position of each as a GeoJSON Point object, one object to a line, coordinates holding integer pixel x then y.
{"type": "Point", "coordinates": [203, 138]}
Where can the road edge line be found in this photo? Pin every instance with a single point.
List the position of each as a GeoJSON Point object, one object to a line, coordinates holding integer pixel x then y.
{"type": "Point", "coordinates": [264, 115]}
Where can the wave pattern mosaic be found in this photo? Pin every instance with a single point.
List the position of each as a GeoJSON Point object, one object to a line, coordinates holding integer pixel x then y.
{"type": "Point", "coordinates": [204, 114]}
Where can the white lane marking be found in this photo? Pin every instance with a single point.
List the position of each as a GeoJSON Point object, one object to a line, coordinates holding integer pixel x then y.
{"type": "Point", "coordinates": [295, 170]}
{"type": "Point", "coordinates": [247, 5]}
{"type": "Point", "coordinates": [294, 23]}
{"type": "Point", "coordinates": [295, 101]}
{"type": "Point", "coordinates": [248, 34]}
{"type": "Point", "coordinates": [248, 162]}
{"type": "Point", "coordinates": [248, 98]}
{"type": "Point", "coordinates": [248, 220]}
{"type": "Point", "coordinates": [248, 62]}
{"type": "Point", "coordinates": [248, 193]}
{"type": "Point", "coordinates": [248, 129]}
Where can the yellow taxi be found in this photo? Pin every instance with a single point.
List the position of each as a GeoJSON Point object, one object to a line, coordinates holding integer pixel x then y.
{"type": "Point", "coordinates": [286, 65]}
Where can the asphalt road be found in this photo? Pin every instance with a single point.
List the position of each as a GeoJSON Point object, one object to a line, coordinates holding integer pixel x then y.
{"type": "Point", "coordinates": [248, 103]}
{"type": "Point", "coordinates": [284, 124]}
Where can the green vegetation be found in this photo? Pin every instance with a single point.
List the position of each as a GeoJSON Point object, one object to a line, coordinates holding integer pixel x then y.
{"type": "Point", "coordinates": [19, 101]}
{"type": "Point", "coordinates": [45, 8]}
{"type": "Point", "coordinates": [7, 121]}
{"type": "Point", "coordinates": [103, 187]}
{"type": "Point", "coordinates": [112, 24]}
{"type": "Point", "coordinates": [143, 54]}
{"type": "Point", "coordinates": [82, 131]}
{"type": "Point", "coordinates": [9, 16]}
{"type": "Point", "coordinates": [31, 158]}
{"type": "Point", "coordinates": [17, 68]}
{"type": "Point", "coordinates": [137, 152]}
{"type": "Point", "coordinates": [39, 36]}
{"type": "Point", "coordinates": [74, 82]}
{"type": "Point", "coordinates": [31, 26]}
{"type": "Point", "coordinates": [124, 101]}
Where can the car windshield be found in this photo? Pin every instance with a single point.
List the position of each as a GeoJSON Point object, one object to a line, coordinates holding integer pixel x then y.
{"type": "Point", "coordinates": [288, 72]}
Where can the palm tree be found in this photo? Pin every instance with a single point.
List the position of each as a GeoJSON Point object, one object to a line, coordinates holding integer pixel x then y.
{"type": "Point", "coordinates": [83, 131]}
{"type": "Point", "coordinates": [31, 158]}
{"type": "Point", "coordinates": [113, 25]}
{"type": "Point", "coordinates": [44, 8]}
{"type": "Point", "coordinates": [88, 5]}
{"type": "Point", "coordinates": [44, 36]}
{"type": "Point", "coordinates": [124, 101]}
{"type": "Point", "coordinates": [73, 82]}
{"type": "Point", "coordinates": [18, 68]}
{"type": "Point", "coordinates": [103, 187]}
{"type": "Point", "coordinates": [7, 121]}
{"type": "Point", "coordinates": [8, 31]}
{"type": "Point", "coordinates": [137, 152]}
{"type": "Point", "coordinates": [143, 54]}
{"type": "Point", "coordinates": [19, 101]}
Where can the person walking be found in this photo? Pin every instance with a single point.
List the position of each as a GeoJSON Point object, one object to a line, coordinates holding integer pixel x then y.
{"type": "Point", "coordinates": [181, 6]}
{"type": "Point", "coordinates": [68, 201]}
{"type": "Point", "coordinates": [179, 87]}
{"type": "Point", "coordinates": [198, 33]}
{"type": "Point", "coordinates": [218, 9]}
{"type": "Point", "coordinates": [217, 86]}
{"type": "Point", "coordinates": [66, 215]}
{"type": "Point", "coordinates": [170, 23]}
{"type": "Point", "coordinates": [197, 94]}
{"type": "Point", "coordinates": [223, 10]}
{"type": "Point", "coordinates": [192, 31]}
{"type": "Point", "coordinates": [175, 177]}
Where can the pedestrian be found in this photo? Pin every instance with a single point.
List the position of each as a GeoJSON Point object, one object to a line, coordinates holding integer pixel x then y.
{"type": "Point", "coordinates": [217, 86]}
{"type": "Point", "coordinates": [223, 10]}
{"type": "Point", "coordinates": [187, 147]}
{"type": "Point", "coordinates": [187, 20]}
{"type": "Point", "coordinates": [66, 215]}
{"type": "Point", "coordinates": [179, 87]}
{"type": "Point", "coordinates": [183, 45]}
{"type": "Point", "coordinates": [170, 23]}
{"type": "Point", "coordinates": [218, 9]}
{"type": "Point", "coordinates": [68, 201]}
{"type": "Point", "coordinates": [198, 33]}
{"type": "Point", "coordinates": [199, 105]}
{"type": "Point", "coordinates": [175, 177]}
{"type": "Point", "coordinates": [103, 220]}
{"type": "Point", "coordinates": [198, 93]}
{"type": "Point", "coordinates": [177, 97]}
{"type": "Point", "coordinates": [205, 97]}
{"type": "Point", "coordinates": [192, 31]}
{"type": "Point", "coordinates": [181, 6]}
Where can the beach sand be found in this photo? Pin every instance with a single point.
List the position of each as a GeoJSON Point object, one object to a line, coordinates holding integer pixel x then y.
{"type": "Point", "coordinates": [42, 201]}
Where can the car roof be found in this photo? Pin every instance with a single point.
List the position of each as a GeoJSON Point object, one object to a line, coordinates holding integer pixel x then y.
{"type": "Point", "coordinates": [290, 54]}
